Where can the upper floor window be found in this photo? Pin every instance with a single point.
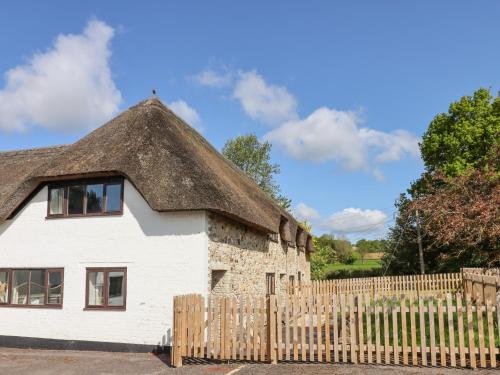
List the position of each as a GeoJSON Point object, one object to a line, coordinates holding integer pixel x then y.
{"type": "Point", "coordinates": [85, 198]}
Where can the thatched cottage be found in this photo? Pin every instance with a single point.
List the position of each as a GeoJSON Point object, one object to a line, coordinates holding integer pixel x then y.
{"type": "Point", "coordinates": [97, 237]}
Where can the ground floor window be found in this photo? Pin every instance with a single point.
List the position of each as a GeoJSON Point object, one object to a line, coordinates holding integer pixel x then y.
{"type": "Point", "coordinates": [106, 288]}
{"type": "Point", "coordinates": [31, 287]}
{"type": "Point", "coordinates": [219, 282]}
{"type": "Point", "coordinates": [270, 283]}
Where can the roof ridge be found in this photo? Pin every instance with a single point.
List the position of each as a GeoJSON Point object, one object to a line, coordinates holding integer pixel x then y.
{"type": "Point", "coordinates": [32, 150]}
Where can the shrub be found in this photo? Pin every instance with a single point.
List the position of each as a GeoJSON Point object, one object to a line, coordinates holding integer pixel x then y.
{"type": "Point", "coordinates": [347, 257]}
{"type": "Point", "coordinates": [350, 274]}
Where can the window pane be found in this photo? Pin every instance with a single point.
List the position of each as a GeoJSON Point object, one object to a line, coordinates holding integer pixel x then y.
{"type": "Point", "coordinates": [20, 286]}
{"type": "Point", "coordinates": [4, 287]}
{"type": "Point", "coordinates": [116, 288]}
{"type": "Point", "coordinates": [37, 287]}
{"type": "Point", "coordinates": [94, 198]}
{"type": "Point", "coordinates": [75, 199]}
{"type": "Point", "coordinates": [113, 197]}
{"type": "Point", "coordinates": [270, 281]}
{"type": "Point", "coordinates": [55, 287]}
{"type": "Point", "coordinates": [56, 201]}
{"type": "Point", "coordinates": [96, 289]}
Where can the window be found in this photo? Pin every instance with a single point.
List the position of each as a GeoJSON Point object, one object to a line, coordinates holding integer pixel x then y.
{"type": "Point", "coordinates": [102, 197]}
{"type": "Point", "coordinates": [291, 283]}
{"type": "Point", "coordinates": [4, 286]}
{"type": "Point", "coordinates": [56, 199]}
{"type": "Point", "coordinates": [274, 237]}
{"type": "Point", "coordinates": [76, 198]}
{"type": "Point", "coordinates": [114, 197]}
{"type": "Point", "coordinates": [220, 282]}
{"type": "Point", "coordinates": [54, 290]}
{"type": "Point", "coordinates": [106, 288]}
{"type": "Point", "coordinates": [95, 201]}
{"type": "Point", "coordinates": [31, 287]}
{"type": "Point", "coordinates": [270, 283]}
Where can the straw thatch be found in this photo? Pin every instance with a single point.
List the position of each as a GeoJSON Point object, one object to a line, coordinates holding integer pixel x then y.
{"type": "Point", "coordinates": [16, 168]}
{"type": "Point", "coordinates": [170, 164]}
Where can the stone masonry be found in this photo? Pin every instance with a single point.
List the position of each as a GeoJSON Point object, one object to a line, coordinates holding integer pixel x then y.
{"type": "Point", "coordinates": [240, 257]}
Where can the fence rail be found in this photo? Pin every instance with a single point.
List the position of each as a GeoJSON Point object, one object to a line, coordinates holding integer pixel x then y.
{"type": "Point", "coordinates": [416, 285]}
{"type": "Point", "coordinates": [425, 331]}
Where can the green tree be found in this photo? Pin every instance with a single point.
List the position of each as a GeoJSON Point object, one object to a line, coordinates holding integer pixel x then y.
{"type": "Point", "coordinates": [362, 251]}
{"type": "Point", "coordinates": [371, 246]}
{"type": "Point", "coordinates": [457, 195]}
{"type": "Point", "coordinates": [318, 260]}
{"type": "Point", "coordinates": [401, 256]}
{"type": "Point", "coordinates": [321, 255]}
{"type": "Point", "coordinates": [344, 251]}
{"type": "Point", "coordinates": [464, 137]}
{"type": "Point", "coordinates": [254, 158]}
{"type": "Point", "coordinates": [326, 243]}
{"type": "Point", "coordinates": [364, 247]}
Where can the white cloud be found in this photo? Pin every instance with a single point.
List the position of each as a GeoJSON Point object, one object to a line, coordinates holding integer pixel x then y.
{"type": "Point", "coordinates": [332, 135]}
{"type": "Point", "coordinates": [187, 113]}
{"type": "Point", "coordinates": [356, 221]}
{"type": "Point", "coordinates": [327, 134]}
{"type": "Point", "coordinates": [270, 104]}
{"type": "Point", "coordinates": [68, 87]}
{"type": "Point", "coordinates": [393, 146]}
{"type": "Point", "coordinates": [304, 212]}
{"type": "Point", "coordinates": [211, 78]}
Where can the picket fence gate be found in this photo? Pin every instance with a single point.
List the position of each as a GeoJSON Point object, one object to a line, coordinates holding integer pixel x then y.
{"type": "Point", "coordinates": [446, 331]}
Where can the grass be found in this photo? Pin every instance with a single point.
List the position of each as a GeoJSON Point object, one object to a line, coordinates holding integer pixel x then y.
{"type": "Point", "coordinates": [357, 265]}
{"type": "Point", "coordinates": [390, 327]}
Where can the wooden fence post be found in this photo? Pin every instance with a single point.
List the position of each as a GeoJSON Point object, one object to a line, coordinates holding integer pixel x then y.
{"type": "Point", "coordinates": [176, 352]}
{"type": "Point", "coordinates": [272, 323]}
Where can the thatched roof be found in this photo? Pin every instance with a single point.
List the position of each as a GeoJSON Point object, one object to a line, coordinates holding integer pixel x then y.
{"type": "Point", "coordinates": [16, 168]}
{"type": "Point", "coordinates": [170, 164]}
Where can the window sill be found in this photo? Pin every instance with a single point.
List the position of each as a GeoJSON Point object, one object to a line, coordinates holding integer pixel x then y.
{"type": "Point", "coordinates": [51, 217]}
{"type": "Point", "coordinates": [54, 307]}
{"type": "Point", "coordinates": [104, 309]}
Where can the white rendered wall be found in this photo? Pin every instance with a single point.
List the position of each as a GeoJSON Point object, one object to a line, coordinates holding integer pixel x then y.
{"type": "Point", "coordinates": [165, 255]}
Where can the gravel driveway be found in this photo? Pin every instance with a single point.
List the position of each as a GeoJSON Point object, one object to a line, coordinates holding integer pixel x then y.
{"type": "Point", "coordinates": [42, 362]}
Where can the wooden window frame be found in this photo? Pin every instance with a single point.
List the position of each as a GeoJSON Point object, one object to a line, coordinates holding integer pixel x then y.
{"type": "Point", "coordinates": [270, 288]}
{"type": "Point", "coordinates": [105, 306]}
{"type": "Point", "coordinates": [26, 305]}
{"type": "Point", "coordinates": [291, 283]}
{"type": "Point", "coordinates": [86, 182]}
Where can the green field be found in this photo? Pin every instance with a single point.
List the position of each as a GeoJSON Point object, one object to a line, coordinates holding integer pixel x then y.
{"type": "Point", "coordinates": [357, 265]}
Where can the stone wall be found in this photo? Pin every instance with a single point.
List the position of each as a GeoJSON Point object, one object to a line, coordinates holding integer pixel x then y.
{"type": "Point", "coordinates": [241, 257]}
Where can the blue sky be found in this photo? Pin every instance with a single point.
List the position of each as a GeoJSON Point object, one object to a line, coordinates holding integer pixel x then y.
{"type": "Point", "coordinates": [343, 90]}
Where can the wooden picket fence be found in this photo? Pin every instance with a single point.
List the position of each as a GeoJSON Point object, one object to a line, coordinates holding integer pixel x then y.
{"type": "Point", "coordinates": [426, 331]}
{"type": "Point", "coordinates": [482, 271]}
{"type": "Point", "coordinates": [416, 285]}
{"type": "Point", "coordinates": [481, 286]}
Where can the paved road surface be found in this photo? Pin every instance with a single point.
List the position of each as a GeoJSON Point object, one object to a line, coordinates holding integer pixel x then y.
{"type": "Point", "coordinates": [45, 362]}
